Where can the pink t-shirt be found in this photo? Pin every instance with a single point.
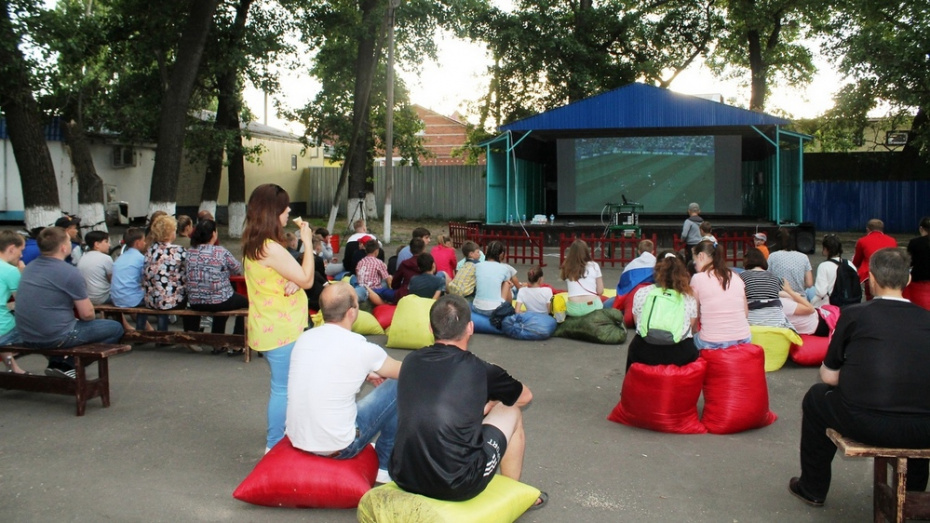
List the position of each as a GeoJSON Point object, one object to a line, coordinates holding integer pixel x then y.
{"type": "Point", "coordinates": [722, 312]}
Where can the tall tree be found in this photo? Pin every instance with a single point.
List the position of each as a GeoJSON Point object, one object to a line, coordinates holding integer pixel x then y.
{"type": "Point", "coordinates": [551, 52]}
{"type": "Point", "coordinates": [71, 45]}
{"type": "Point", "coordinates": [349, 38]}
{"type": "Point", "coordinates": [25, 125]}
{"type": "Point", "coordinates": [766, 38]}
{"type": "Point", "coordinates": [172, 122]}
{"type": "Point", "coordinates": [227, 69]}
{"type": "Point", "coordinates": [883, 47]}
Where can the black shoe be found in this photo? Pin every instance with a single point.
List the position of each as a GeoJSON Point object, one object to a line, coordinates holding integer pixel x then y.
{"type": "Point", "coordinates": [795, 489]}
{"type": "Point", "coordinates": [540, 501]}
{"type": "Point", "coordinates": [58, 373]}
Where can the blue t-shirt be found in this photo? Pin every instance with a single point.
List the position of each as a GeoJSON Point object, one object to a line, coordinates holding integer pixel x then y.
{"type": "Point", "coordinates": [30, 251]}
{"type": "Point", "coordinates": [45, 300]}
{"type": "Point", "coordinates": [489, 276]}
{"type": "Point", "coordinates": [9, 282]}
{"type": "Point", "coordinates": [126, 284]}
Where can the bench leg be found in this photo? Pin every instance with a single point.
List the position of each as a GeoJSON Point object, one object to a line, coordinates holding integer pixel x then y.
{"type": "Point", "coordinates": [80, 389]}
{"type": "Point", "coordinates": [888, 497]}
{"type": "Point", "coordinates": [103, 380]}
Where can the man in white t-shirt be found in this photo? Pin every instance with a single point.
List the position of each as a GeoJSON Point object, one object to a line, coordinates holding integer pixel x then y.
{"type": "Point", "coordinates": [328, 366]}
{"type": "Point", "coordinates": [97, 267]}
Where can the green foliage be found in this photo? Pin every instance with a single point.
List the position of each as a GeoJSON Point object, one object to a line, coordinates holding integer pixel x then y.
{"type": "Point", "coordinates": [334, 29]}
{"type": "Point", "coordinates": [765, 38]}
{"type": "Point", "coordinates": [884, 46]}
{"type": "Point", "coordinates": [549, 52]}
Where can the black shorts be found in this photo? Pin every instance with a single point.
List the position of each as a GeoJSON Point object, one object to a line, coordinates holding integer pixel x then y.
{"type": "Point", "coordinates": [494, 444]}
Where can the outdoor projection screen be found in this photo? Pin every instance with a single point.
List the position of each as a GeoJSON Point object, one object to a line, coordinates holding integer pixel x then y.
{"type": "Point", "coordinates": [664, 173]}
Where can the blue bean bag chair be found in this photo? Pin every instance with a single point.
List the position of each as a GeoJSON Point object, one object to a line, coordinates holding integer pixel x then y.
{"type": "Point", "coordinates": [529, 326]}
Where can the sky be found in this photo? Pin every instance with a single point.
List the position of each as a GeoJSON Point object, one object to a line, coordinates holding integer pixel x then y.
{"type": "Point", "coordinates": [458, 77]}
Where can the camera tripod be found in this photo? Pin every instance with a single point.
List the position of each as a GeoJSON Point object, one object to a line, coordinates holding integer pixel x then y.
{"type": "Point", "coordinates": [357, 213]}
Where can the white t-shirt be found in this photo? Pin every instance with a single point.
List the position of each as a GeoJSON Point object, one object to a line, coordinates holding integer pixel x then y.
{"type": "Point", "coordinates": [97, 268]}
{"type": "Point", "coordinates": [536, 299]}
{"type": "Point", "coordinates": [329, 364]}
{"type": "Point", "coordinates": [587, 285]}
{"type": "Point", "coordinates": [824, 282]}
{"type": "Point", "coordinates": [804, 324]}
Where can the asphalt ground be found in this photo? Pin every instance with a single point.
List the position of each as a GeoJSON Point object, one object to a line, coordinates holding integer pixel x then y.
{"type": "Point", "coordinates": [185, 428]}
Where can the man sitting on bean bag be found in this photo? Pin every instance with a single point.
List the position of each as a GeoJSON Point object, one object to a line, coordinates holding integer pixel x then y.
{"type": "Point", "coordinates": [329, 363]}
{"type": "Point", "coordinates": [459, 417]}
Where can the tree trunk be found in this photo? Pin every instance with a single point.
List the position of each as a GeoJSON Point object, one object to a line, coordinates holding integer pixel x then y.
{"type": "Point", "coordinates": [361, 170]}
{"type": "Point", "coordinates": [353, 175]}
{"type": "Point", "coordinates": [227, 119]}
{"type": "Point", "coordinates": [757, 71]}
{"type": "Point", "coordinates": [90, 186]}
{"type": "Point", "coordinates": [36, 171]}
{"type": "Point", "coordinates": [236, 181]}
{"type": "Point", "coordinates": [172, 123]}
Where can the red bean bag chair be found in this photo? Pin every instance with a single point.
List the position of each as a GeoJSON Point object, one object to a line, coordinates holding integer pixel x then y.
{"type": "Point", "coordinates": [290, 477]}
{"type": "Point", "coordinates": [919, 293]}
{"type": "Point", "coordinates": [736, 395]}
{"type": "Point", "coordinates": [811, 352]}
{"type": "Point", "coordinates": [662, 398]}
{"type": "Point", "coordinates": [384, 314]}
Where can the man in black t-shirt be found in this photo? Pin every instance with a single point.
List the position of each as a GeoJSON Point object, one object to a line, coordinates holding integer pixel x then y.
{"type": "Point", "coordinates": [875, 387]}
{"type": "Point", "coordinates": [458, 416]}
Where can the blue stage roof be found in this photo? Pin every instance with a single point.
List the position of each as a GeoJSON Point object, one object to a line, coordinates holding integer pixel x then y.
{"type": "Point", "coordinates": [640, 106]}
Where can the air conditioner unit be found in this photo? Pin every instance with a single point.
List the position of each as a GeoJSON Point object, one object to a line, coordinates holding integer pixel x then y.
{"type": "Point", "coordinates": [123, 156]}
{"type": "Point", "coordinates": [896, 138]}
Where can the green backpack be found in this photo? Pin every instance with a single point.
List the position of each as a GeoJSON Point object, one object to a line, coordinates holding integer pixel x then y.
{"type": "Point", "coordinates": [662, 318]}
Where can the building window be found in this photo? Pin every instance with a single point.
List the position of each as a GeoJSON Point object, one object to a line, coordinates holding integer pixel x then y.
{"type": "Point", "coordinates": [293, 162]}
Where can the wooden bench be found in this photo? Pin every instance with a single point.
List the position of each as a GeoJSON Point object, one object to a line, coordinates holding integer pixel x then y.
{"type": "Point", "coordinates": [180, 337]}
{"type": "Point", "coordinates": [891, 499]}
{"type": "Point", "coordinates": [82, 388]}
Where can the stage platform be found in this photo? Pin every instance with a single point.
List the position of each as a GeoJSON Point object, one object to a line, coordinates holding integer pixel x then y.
{"type": "Point", "coordinates": [665, 227]}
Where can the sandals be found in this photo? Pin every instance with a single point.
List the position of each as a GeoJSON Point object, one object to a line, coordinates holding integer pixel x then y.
{"type": "Point", "coordinates": [234, 352]}
{"type": "Point", "coordinates": [540, 501]}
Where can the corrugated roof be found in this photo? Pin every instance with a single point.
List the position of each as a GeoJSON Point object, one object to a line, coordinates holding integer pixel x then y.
{"type": "Point", "coordinates": [641, 106]}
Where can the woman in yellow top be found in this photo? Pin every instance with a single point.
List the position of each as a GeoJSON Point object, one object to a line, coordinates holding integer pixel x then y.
{"type": "Point", "coordinates": [277, 312]}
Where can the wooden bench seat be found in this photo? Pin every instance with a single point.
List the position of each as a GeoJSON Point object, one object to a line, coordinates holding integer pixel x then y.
{"type": "Point", "coordinates": [891, 499]}
{"type": "Point", "coordinates": [179, 337]}
{"type": "Point", "coordinates": [82, 388]}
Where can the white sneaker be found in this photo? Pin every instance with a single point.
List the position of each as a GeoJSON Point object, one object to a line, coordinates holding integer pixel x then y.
{"type": "Point", "coordinates": [383, 476]}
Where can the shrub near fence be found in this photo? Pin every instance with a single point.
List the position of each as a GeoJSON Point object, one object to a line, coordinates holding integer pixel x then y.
{"type": "Point", "coordinates": [525, 248]}
{"type": "Point", "coordinates": [605, 250]}
{"type": "Point", "coordinates": [734, 246]}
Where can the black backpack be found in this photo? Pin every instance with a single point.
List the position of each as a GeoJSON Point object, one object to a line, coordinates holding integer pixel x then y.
{"type": "Point", "coordinates": [847, 290]}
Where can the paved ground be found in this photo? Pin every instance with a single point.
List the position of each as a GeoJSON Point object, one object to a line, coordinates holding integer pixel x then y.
{"type": "Point", "coordinates": [184, 429]}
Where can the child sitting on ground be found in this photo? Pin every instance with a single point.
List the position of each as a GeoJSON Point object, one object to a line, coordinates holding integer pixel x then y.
{"type": "Point", "coordinates": [428, 284]}
{"type": "Point", "coordinates": [464, 282]}
{"type": "Point", "coordinates": [373, 275]}
{"type": "Point", "coordinates": [534, 297]}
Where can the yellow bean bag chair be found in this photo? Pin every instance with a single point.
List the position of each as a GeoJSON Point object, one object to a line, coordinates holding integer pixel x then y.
{"type": "Point", "coordinates": [776, 342]}
{"type": "Point", "coordinates": [366, 324]}
{"type": "Point", "coordinates": [503, 501]}
{"type": "Point", "coordinates": [410, 327]}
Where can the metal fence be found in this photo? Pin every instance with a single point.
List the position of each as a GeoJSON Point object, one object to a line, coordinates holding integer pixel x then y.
{"type": "Point", "coordinates": [605, 250]}
{"type": "Point", "coordinates": [734, 246]}
{"type": "Point", "coordinates": [525, 248]}
{"type": "Point", "coordinates": [441, 192]}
